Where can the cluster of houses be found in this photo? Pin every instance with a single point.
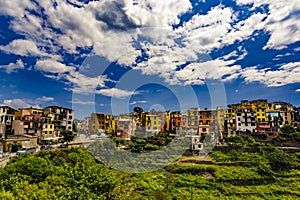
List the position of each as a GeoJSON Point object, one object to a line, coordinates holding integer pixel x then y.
{"type": "Point", "coordinates": [32, 126]}
{"type": "Point", "coordinates": [258, 116]}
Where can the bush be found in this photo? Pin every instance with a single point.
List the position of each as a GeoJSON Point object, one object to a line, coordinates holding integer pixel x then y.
{"type": "Point", "coordinates": [288, 129]}
{"type": "Point", "coordinates": [280, 161]}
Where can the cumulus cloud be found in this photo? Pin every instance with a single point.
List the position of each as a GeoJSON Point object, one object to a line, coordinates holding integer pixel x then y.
{"type": "Point", "coordinates": [286, 74]}
{"type": "Point", "coordinates": [282, 22]}
{"type": "Point", "coordinates": [121, 31]}
{"type": "Point", "coordinates": [22, 48]}
{"type": "Point", "coordinates": [16, 103]}
{"type": "Point", "coordinates": [25, 103]}
{"type": "Point", "coordinates": [13, 67]}
{"type": "Point", "coordinates": [115, 92]}
{"type": "Point", "coordinates": [52, 66]}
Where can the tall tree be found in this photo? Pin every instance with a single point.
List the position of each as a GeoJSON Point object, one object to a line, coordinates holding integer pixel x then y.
{"type": "Point", "coordinates": [68, 136]}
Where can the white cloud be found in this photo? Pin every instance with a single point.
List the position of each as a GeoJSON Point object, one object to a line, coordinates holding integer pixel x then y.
{"type": "Point", "coordinates": [52, 66]}
{"type": "Point", "coordinates": [286, 74]}
{"type": "Point", "coordinates": [298, 90]}
{"type": "Point", "coordinates": [45, 98]}
{"type": "Point", "coordinates": [137, 102]}
{"type": "Point", "coordinates": [16, 8]}
{"type": "Point", "coordinates": [17, 103]}
{"type": "Point", "coordinates": [84, 84]}
{"type": "Point", "coordinates": [115, 92]}
{"type": "Point", "coordinates": [83, 102]}
{"type": "Point", "coordinates": [25, 103]}
{"type": "Point", "coordinates": [282, 22]}
{"type": "Point", "coordinates": [13, 67]}
{"type": "Point", "coordinates": [112, 28]}
{"type": "Point", "coordinates": [22, 48]}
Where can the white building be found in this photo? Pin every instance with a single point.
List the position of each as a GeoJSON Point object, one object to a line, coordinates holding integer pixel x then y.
{"type": "Point", "coordinates": [246, 120]}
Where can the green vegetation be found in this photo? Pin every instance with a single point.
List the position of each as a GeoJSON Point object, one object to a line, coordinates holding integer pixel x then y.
{"type": "Point", "coordinates": [76, 174]}
{"type": "Point", "coordinates": [152, 143]}
{"type": "Point", "coordinates": [15, 146]}
{"type": "Point", "coordinates": [288, 133]}
{"type": "Point", "coordinates": [68, 136]}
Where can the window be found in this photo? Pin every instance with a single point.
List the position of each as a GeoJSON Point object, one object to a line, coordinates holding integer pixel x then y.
{"type": "Point", "coordinates": [46, 132]}
{"type": "Point", "coordinates": [46, 126]}
{"type": "Point", "coordinates": [51, 126]}
{"type": "Point", "coordinates": [203, 129]}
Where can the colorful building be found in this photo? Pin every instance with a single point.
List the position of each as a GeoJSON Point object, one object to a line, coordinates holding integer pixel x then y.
{"type": "Point", "coordinates": [230, 120]}
{"type": "Point", "coordinates": [175, 121]}
{"type": "Point", "coordinates": [62, 118]}
{"type": "Point", "coordinates": [205, 119]}
{"type": "Point", "coordinates": [7, 115]}
{"type": "Point", "coordinates": [259, 107]}
{"type": "Point", "coordinates": [154, 124]}
{"type": "Point", "coordinates": [107, 123]}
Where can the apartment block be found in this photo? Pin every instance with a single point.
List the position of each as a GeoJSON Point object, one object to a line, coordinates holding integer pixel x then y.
{"type": "Point", "coordinates": [154, 124]}
{"type": "Point", "coordinates": [246, 120]}
{"type": "Point", "coordinates": [205, 119]}
{"type": "Point", "coordinates": [27, 122]}
{"type": "Point", "coordinates": [107, 123]}
{"type": "Point", "coordinates": [175, 121]}
{"type": "Point", "coordinates": [126, 125]}
{"type": "Point", "coordinates": [62, 118]}
{"type": "Point", "coordinates": [7, 115]}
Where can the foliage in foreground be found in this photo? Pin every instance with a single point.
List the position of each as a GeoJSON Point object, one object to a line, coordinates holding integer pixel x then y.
{"type": "Point", "coordinates": [75, 174]}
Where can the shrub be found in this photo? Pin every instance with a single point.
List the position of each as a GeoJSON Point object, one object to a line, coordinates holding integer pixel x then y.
{"type": "Point", "coordinates": [280, 161]}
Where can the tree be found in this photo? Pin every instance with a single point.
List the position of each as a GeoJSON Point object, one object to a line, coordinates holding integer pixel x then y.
{"type": "Point", "coordinates": [15, 146]}
{"type": "Point", "coordinates": [280, 161]}
{"type": "Point", "coordinates": [68, 136]}
{"type": "Point", "coordinates": [287, 129]}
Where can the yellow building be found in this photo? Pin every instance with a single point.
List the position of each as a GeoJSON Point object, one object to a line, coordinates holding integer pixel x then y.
{"type": "Point", "coordinates": [259, 107]}
{"type": "Point", "coordinates": [285, 109]}
{"type": "Point", "coordinates": [107, 123]}
{"type": "Point", "coordinates": [25, 141]}
{"type": "Point", "coordinates": [168, 121]}
{"type": "Point", "coordinates": [47, 126]}
{"type": "Point", "coordinates": [230, 119]}
{"type": "Point", "coordinates": [221, 119]}
{"type": "Point", "coordinates": [153, 124]}
{"type": "Point", "coordinates": [28, 111]}
{"type": "Point", "coordinates": [193, 117]}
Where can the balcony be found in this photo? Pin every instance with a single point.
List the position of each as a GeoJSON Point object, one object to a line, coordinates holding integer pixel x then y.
{"type": "Point", "coordinates": [264, 126]}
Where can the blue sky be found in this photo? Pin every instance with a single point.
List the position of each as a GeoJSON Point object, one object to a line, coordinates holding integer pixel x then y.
{"type": "Point", "coordinates": [110, 56]}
